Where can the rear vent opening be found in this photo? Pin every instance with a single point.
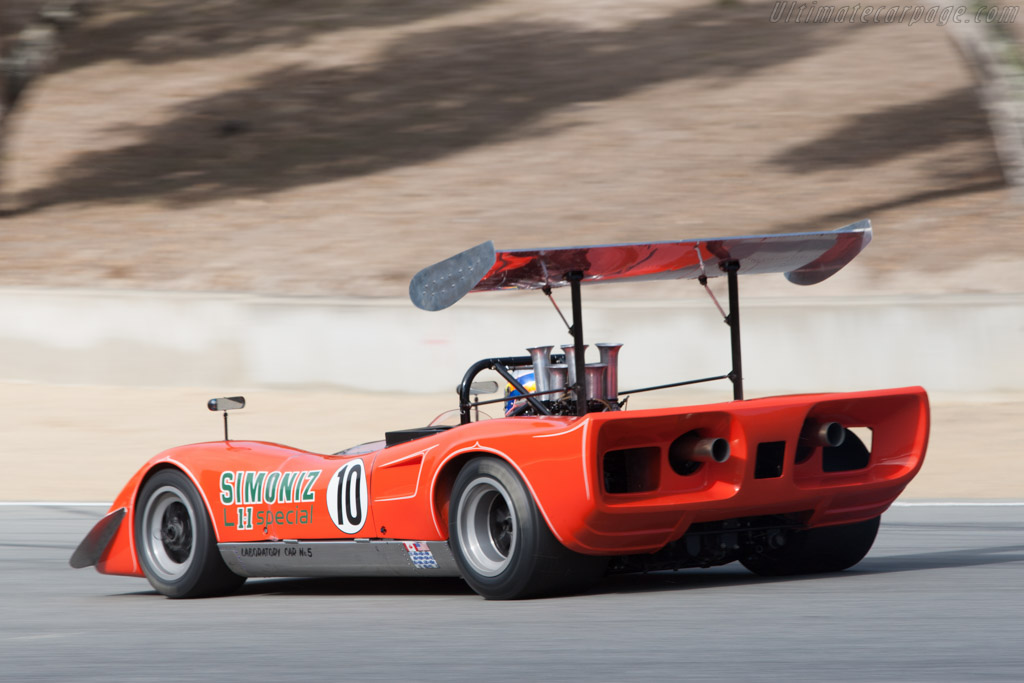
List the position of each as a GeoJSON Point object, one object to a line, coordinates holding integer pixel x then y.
{"type": "Point", "coordinates": [769, 459]}
{"type": "Point", "coordinates": [631, 470]}
{"type": "Point", "coordinates": [853, 454]}
{"type": "Point", "coordinates": [864, 434]}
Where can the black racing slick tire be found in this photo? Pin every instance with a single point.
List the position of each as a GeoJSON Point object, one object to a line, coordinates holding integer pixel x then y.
{"type": "Point", "coordinates": [175, 542]}
{"type": "Point", "coordinates": [815, 551]}
{"type": "Point", "coordinates": [501, 543]}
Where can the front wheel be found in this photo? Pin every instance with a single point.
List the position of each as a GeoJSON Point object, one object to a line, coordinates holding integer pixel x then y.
{"type": "Point", "coordinates": [814, 551]}
{"type": "Point", "coordinates": [175, 541]}
{"type": "Point", "coordinates": [501, 543]}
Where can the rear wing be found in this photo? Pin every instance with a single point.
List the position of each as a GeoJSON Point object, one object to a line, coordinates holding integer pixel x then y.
{"type": "Point", "coordinates": [806, 258]}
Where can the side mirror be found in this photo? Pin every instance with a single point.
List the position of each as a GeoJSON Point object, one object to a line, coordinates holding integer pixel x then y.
{"type": "Point", "coordinates": [226, 404]}
{"type": "Point", "coordinates": [232, 403]}
{"type": "Point", "coordinates": [483, 387]}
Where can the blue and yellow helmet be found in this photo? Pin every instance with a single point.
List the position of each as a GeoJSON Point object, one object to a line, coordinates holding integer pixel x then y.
{"type": "Point", "coordinates": [529, 383]}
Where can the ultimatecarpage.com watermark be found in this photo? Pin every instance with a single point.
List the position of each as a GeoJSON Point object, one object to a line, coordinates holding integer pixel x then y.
{"type": "Point", "coordinates": [789, 11]}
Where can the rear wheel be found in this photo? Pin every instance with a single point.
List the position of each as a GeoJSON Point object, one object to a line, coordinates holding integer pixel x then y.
{"type": "Point", "coordinates": [502, 544]}
{"type": "Point", "coordinates": [825, 549]}
{"type": "Point", "coordinates": [175, 541]}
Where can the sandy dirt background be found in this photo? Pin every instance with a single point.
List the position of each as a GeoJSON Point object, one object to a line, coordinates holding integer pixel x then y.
{"type": "Point", "coordinates": [334, 147]}
{"type": "Point", "coordinates": [83, 443]}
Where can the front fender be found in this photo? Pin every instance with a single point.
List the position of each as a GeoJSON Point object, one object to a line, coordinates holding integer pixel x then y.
{"type": "Point", "coordinates": [203, 464]}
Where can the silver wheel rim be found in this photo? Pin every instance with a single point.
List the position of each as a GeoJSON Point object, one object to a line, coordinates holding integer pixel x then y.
{"type": "Point", "coordinates": [487, 526]}
{"type": "Point", "coordinates": [168, 533]}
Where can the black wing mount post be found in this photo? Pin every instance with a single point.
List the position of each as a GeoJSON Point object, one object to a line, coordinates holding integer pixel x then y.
{"type": "Point", "coordinates": [575, 279]}
{"type": "Point", "coordinates": [732, 269]}
{"type": "Point", "coordinates": [806, 258]}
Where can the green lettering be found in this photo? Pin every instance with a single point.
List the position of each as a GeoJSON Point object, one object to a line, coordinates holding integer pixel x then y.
{"type": "Point", "coordinates": [287, 485]}
{"type": "Point", "coordinates": [308, 495]}
{"type": "Point", "coordinates": [225, 487]}
{"type": "Point", "coordinates": [244, 517]}
{"type": "Point", "coordinates": [270, 491]}
{"type": "Point", "coordinates": [254, 487]}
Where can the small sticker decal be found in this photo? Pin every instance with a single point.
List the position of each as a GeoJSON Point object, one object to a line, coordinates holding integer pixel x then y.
{"type": "Point", "coordinates": [347, 499]}
{"type": "Point", "coordinates": [419, 553]}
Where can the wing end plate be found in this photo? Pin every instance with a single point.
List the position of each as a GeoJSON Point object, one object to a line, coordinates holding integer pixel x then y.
{"type": "Point", "coordinates": [439, 286]}
{"type": "Point", "coordinates": [836, 258]}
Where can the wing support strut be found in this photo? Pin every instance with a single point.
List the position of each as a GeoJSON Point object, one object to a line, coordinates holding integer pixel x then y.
{"type": "Point", "coordinates": [731, 269]}
{"type": "Point", "coordinates": [575, 278]}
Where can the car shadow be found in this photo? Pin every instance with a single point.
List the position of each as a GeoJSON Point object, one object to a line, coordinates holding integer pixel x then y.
{"type": "Point", "coordinates": [945, 559]}
{"type": "Point", "coordinates": [361, 586]}
{"type": "Point", "coordinates": [651, 582]}
{"type": "Point", "coordinates": [735, 574]}
{"type": "Point", "coordinates": [340, 586]}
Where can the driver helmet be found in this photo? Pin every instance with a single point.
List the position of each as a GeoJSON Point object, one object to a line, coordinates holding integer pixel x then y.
{"type": "Point", "coordinates": [529, 383]}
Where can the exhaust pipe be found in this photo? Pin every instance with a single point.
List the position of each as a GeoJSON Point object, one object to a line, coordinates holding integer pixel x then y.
{"type": "Point", "coordinates": [828, 434]}
{"type": "Point", "coordinates": [691, 449]}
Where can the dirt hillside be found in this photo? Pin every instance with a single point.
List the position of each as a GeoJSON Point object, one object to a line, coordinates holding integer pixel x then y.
{"type": "Point", "coordinates": [335, 146]}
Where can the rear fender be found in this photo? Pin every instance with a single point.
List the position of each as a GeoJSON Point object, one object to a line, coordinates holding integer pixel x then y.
{"type": "Point", "coordinates": [556, 473]}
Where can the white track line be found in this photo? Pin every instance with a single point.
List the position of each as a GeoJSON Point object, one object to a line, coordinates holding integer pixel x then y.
{"type": "Point", "coordinates": [958, 504]}
{"type": "Point", "coordinates": [39, 504]}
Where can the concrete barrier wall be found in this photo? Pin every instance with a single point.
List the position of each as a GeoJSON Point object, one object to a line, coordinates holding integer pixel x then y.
{"type": "Point", "coordinates": [963, 343]}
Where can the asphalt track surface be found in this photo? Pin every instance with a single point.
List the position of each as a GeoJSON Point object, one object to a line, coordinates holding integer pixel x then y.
{"type": "Point", "coordinates": [940, 598]}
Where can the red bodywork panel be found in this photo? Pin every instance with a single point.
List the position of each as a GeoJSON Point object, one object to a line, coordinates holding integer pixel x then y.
{"type": "Point", "coordinates": [258, 491]}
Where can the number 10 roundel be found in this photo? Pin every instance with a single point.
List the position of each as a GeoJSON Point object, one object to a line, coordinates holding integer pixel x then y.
{"type": "Point", "coordinates": [347, 497]}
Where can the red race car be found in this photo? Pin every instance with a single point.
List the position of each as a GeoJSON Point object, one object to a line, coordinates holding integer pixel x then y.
{"type": "Point", "coordinates": [568, 486]}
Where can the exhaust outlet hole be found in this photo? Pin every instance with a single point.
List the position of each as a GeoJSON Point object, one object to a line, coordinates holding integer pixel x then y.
{"type": "Point", "coordinates": [853, 454]}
